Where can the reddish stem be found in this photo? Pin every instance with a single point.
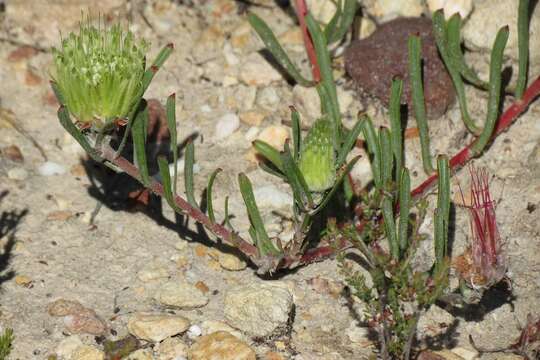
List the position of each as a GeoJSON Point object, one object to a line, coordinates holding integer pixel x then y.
{"type": "Point", "coordinates": [302, 11]}
{"type": "Point", "coordinates": [220, 231]}
{"type": "Point", "coordinates": [466, 154]}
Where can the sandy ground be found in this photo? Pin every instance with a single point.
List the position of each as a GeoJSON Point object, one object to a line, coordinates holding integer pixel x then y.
{"type": "Point", "coordinates": [55, 253]}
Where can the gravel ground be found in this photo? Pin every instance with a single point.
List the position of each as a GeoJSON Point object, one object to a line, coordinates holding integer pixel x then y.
{"type": "Point", "coordinates": [120, 266]}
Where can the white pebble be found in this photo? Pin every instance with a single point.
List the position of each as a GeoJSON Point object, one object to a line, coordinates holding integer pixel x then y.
{"type": "Point", "coordinates": [206, 108]}
{"type": "Point", "coordinates": [450, 7]}
{"type": "Point", "coordinates": [226, 125]}
{"type": "Point", "coordinates": [50, 168]}
{"type": "Point", "coordinates": [270, 196]}
{"type": "Point", "coordinates": [194, 331]}
{"type": "Point", "coordinates": [252, 133]}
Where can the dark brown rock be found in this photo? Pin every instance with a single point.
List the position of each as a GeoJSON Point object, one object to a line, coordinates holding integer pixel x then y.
{"type": "Point", "coordinates": [374, 61]}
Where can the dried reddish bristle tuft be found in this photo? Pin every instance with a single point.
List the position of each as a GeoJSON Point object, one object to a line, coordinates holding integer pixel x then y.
{"type": "Point", "coordinates": [488, 263]}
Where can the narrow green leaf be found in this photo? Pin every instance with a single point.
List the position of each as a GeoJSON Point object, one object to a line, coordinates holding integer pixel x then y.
{"type": "Point", "coordinates": [296, 133]}
{"type": "Point", "coordinates": [69, 126]}
{"type": "Point", "coordinates": [148, 76]}
{"type": "Point", "coordinates": [390, 225]}
{"type": "Point", "coordinates": [296, 180]}
{"type": "Point", "coordinates": [272, 44]}
{"type": "Point", "coordinates": [160, 59]}
{"type": "Point", "coordinates": [264, 244]}
{"type": "Point", "coordinates": [209, 202]}
{"type": "Point", "coordinates": [330, 28]}
{"type": "Point", "coordinates": [455, 64]}
{"type": "Point", "coordinates": [346, 19]}
{"type": "Point", "coordinates": [253, 234]}
{"type": "Point", "coordinates": [442, 213]}
{"type": "Point", "coordinates": [395, 123]}
{"type": "Point", "coordinates": [419, 106]}
{"type": "Point", "coordinates": [188, 174]}
{"type": "Point", "coordinates": [272, 171]}
{"type": "Point", "coordinates": [404, 209]}
{"type": "Point", "coordinates": [171, 124]}
{"type": "Point", "coordinates": [387, 158]}
{"type": "Point", "coordinates": [58, 93]}
{"type": "Point", "coordinates": [139, 134]}
{"type": "Point", "coordinates": [455, 53]}
{"type": "Point", "coordinates": [523, 47]}
{"type": "Point", "coordinates": [269, 152]}
{"type": "Point", "coordinates": [166, 182]}
{"type": "Point", "coordinates": [349, 142]}
{"type": "Point", "coordinates": [494, 90]}
{"type": "Point", "coordinates": [327, 76]}
{"type": "Point", "coordinates": [374, 149]}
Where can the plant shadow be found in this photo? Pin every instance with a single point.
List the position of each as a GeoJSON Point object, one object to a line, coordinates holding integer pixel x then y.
{"type": "Point", "coordinates": [9, 220]}
{"type": "Point", "coordinates": [120, 192]}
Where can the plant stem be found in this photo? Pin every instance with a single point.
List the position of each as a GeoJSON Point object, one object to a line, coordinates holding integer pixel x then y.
{"type": "Point", "coordinates": [465, 155]}
{"type": "Point", "coordinates": [302, 11]}
{"type": "Point", "coordinates": [223, 233]}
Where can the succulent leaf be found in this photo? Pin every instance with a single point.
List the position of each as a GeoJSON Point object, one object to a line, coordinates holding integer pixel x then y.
{"type": "Point", "coordinates": [318, 158]}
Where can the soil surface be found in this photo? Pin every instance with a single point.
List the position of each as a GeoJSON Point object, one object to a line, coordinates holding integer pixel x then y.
{"type": "Point", "coordinates": [50, 251]}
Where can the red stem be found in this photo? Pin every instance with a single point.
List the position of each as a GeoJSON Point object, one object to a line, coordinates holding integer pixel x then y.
{"type": "Point", "coordinates": [220, 231]}
{"type": "Point", "coordinates": [466, 154]}
{"type": "Point", "coordinates": [302, 11]}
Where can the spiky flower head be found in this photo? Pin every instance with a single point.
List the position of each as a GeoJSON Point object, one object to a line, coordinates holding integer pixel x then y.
{"type": "Point", "coordinates": [318, 158]}
{"type": "Point", "coordinates": [99, 72]}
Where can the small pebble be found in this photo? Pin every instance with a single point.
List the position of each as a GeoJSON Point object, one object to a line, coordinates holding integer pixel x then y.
{"type": "Point", "coordinates": [194, 331]}
{"type": "Point", "coordinates": [275, 135]}
{"type": "Point", "coordinates": [50, 168]}
{"type": "Point", "coordinates": [12, 153]}
{"type": "Point", "coordinates": [252, 133]}
{"type": "Point", "coordinates": [226, 126]}
{"type": "Point", "coordinates": [271, 197]}
{"type": "Point", "coordinates": [450, 7]}
{"type": "Point", "coordinates": [87, 352]}
{"type": "Point", "coordinates": [171, 349]}
{"type": "Point", "coordinates": [258, 309]}
{"type": "Point", "coordinates": [68, 346]}
{"type": "Point", "coordinates": [220, 345]}
{"type": "Point", "coordinates": [18, 174]}
{"type": "Point", "coordinates": [254, 118]}
{"type": "Point", "coordinates": [156, 327]}
{"type": "Point", "coordinates": [181, 294]}
{"type": "Point", "coordinates": [23, 280]}
{"type": "Point", "coordinates": [267, 98]}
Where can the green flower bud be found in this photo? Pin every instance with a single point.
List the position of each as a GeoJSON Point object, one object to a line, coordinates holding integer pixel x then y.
{"type": "Point", "coordinates": [99, 73]}
{"type": "Point", "coordinates": [317, 157]}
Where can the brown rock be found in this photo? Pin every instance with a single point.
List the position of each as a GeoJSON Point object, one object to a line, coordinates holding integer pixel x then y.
{"type": "Point", "coordinates": [374, 61]}
{"type": "Point", "coordinates": [12, 153]}
{"type": "Point", "coordinates": [202, 287]}
{"type": "Point", "coordinates": [220, 345]}
{"type": "Point", "coordinates": [77, 318]}
{"type": "Point", "coordinates": [24, 52]}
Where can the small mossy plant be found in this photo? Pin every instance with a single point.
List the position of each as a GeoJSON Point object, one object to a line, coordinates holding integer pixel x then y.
{"type": "Point", "coordinates": [6, 343]}
{"type": "Point", "coordinates": [100, 77]}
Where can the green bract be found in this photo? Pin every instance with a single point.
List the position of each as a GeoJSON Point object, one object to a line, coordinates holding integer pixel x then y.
{"type": "Point", "coordinates": [99, 73]}
{"type": "Point", "coordinates": [317, 157]}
